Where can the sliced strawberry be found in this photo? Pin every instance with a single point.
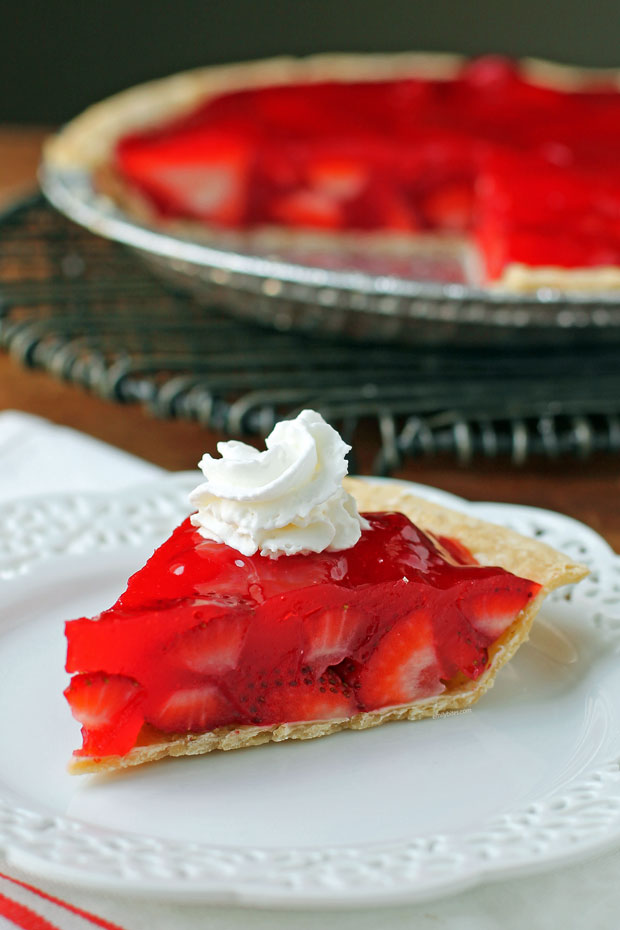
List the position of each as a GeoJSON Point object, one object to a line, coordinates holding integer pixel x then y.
{"type": "Point", "coordinates": [213, 646]}
{"type": "Point", "coordinates": [450, 207]}
{"type": "Point", "coordinates": [113, 741]}
{"type": "Point", "coordinates": [126, 642]}
{"type": "Point", "coordinates": [204, 175]}
{"type": "Point", "coordinates": [328, 698]}
{"type": "Point", "coordinates": [301, 572]}
{"type": "Point", "coordinates": [312, 209]}
{"type": "Point", "coordinates": [493, 604]}
{"type": "Point", "coordinates": [392, 208]}
{"type": "Point", "coordinates": [455, 550]}
{"type": "Point", "coordinates": [332, 635]}
{"type": "Point", "coordinates": [194, 709]}
{"type": "Point", "coordinates": [276, 638]}
{"type": "Point", "coordinates": [109, 707]}
{"type": "Point", "coordinates": [461, 648]}
{"type": "Point", "coordinates": [215, 192]}
{"type": "Point", "coordinates": [99, 699]}
{"type": "Point", "coordinates": [403, 667]}
{"type": "Point", "coordinates": [338, 178]}
{"type": "Point", "coordinates": [277, 169]}
{"type": "Point", "coordinates": [284, 699]}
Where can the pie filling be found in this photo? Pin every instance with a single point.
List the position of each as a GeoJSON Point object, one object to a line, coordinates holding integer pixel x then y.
{"type": "Point", "coordinates": [529, 173]}
{"type": "Point", "coordinates": [205, 637]}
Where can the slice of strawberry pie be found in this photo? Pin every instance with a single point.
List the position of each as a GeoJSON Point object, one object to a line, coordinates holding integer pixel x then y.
{"type": "Point", "coordinates": [277, 611]}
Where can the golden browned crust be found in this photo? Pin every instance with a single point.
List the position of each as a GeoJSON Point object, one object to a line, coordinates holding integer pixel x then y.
{"type": "Point", "coordinates": [526, 279]}
{"type": "Point", "coordinates": [558, 76]}
{"type": "Point", "coordinates": [490, 545]}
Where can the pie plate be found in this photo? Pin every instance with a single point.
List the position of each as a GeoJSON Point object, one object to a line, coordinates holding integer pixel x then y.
{"type": "Point", "coordinates": [527, 779]}
{"type": "Point", "coordinates": [377, 289]}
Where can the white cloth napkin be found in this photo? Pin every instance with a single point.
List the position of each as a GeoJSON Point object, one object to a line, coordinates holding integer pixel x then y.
{"type": "Point", "coordinates": [38, 457]}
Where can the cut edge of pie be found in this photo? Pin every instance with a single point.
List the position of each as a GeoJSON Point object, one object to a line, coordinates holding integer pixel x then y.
{"type": "Point", "coordinates": [489, 543]}
{"type": "Point", "coordinates": [88, 140]}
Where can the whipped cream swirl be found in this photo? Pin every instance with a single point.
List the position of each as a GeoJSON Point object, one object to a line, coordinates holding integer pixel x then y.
{"type": "Point", "coordinates": [285, 500]}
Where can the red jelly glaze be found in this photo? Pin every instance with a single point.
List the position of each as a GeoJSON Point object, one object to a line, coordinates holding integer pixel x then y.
{"type": "Point", "coordinates": [217, 638]}
{"type": "Point", "coordinates": [401, 155]}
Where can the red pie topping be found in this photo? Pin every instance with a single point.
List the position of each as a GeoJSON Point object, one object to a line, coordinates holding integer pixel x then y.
{"type": "Point", "coordinates": [530, 172]}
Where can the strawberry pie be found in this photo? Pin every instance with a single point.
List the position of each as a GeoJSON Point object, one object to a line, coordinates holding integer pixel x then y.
{"type": "Point", "coordinates": [515, 165]}
{"type": "Point", "coordinates": [294, 603]}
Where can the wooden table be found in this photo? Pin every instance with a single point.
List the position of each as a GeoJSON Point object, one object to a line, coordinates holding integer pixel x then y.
{"type": "Point", "coordinates": [588, 490]}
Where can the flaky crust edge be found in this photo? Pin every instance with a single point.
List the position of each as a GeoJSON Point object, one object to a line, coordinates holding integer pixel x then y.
{"type": "Point", "coordinates": [490, 544]}
{"type": "Point", "coordinates": [526, 279]}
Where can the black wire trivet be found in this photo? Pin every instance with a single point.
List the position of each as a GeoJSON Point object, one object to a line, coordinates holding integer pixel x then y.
{"type": "Point", "coordinates": [87, 311]}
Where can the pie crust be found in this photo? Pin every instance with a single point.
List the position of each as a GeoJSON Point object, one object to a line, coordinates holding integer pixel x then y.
{"type": "Point", "coordinates": [88, 142]}
{"type": "Point", "coordinates": [488, 543]}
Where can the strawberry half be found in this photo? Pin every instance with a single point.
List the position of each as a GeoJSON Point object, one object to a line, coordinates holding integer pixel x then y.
{"type": "Point", "coordinates": [202, 175]}
{"type": "Point", "coordinates": [280, 698]}
{"type": "Point", "coordinates": [338, 178]}
{"type": "Point", "coordinates": [328, 698]}
{"type": "Point", "coordinates": [384, 204]}
{"type": "Point", "coordinates": [331, 635]}
{"type": "Point", "coordinates": [454, 550]}
{"type": "Point", "coordinates": [462, 647]}
{"type": "Point", "coordinates": [403, 666]}
{"type": "Point", "coordinates": [109, 707]}
{"type": "Point", "coordinates": [125, 642]}
{"type": "Point", "coordinates": [213, 646]}
{"type": "Point", "coordinates": [450, 207]}
{"type": "Point", "coordinates": [493, 605]}
{"type": "Point", "coordinates": [311, 209]}
{"type": "Point", "coordinates": [193, 709]}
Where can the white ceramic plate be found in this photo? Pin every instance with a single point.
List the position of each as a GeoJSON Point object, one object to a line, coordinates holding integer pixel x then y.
{"type": "Point", "coordinates": [528, 778]}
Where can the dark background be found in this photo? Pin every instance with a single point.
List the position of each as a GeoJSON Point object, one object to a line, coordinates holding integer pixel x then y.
{"type": "Point", "coordinates": [57, 57]}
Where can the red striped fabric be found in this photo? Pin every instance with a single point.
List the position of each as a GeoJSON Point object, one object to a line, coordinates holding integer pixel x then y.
{"type": "Point", "coordinates": [29, 908]}
{"type": "Point", "coordinates": [22, 916]}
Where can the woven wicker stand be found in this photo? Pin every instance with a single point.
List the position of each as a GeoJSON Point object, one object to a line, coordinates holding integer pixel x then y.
{"type": "Point", "coordinates": [84, 309]}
